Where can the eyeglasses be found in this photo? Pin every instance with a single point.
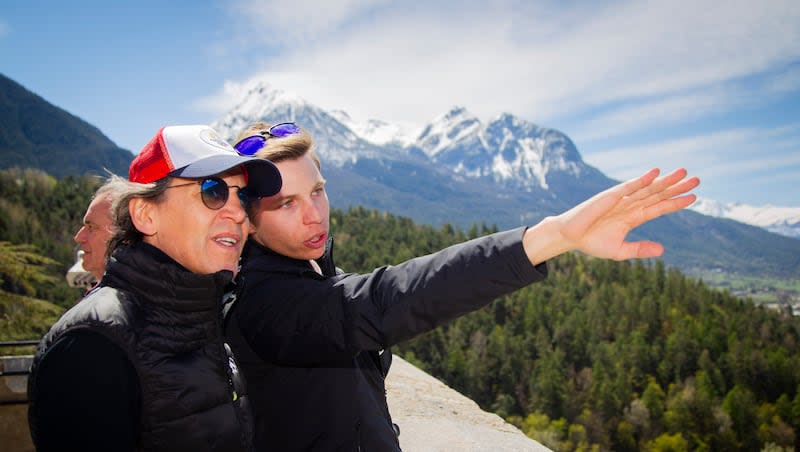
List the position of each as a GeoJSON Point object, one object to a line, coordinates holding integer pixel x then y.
{"type": "Point", "coordinates": [252, 144]}
{"type": "Point", "coordinates": [214, 193]}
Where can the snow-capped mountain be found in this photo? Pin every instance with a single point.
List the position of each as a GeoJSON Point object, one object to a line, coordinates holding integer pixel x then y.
{"type": "Point", "coordinates": [262, 102]}
{"type": "Point", "coordinates": [507, 171]}
{"type": "Point", "coordinates": [510, 152]}
{"type": "Point", "coordinates": [507, 153]}
{"type": "Point", "coordinates": [507, 150]}
{"type": "Point", "coordinates": [780, 220]}
{"type": "Point", "coordinates": [449, 130]}
{"type": "Point", "coordinates": [379, 132]}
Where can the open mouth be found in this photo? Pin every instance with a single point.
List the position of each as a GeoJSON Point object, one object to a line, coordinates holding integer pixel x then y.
{"type": "Point", "coordinates": [227, 241]}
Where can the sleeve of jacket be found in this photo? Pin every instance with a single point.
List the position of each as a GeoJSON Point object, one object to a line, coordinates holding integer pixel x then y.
{"type": "Point", "coordinates": [305, 321]}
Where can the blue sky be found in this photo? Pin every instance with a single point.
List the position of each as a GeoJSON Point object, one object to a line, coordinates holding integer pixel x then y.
{"type": "Point", "coordinates": [711, 86]}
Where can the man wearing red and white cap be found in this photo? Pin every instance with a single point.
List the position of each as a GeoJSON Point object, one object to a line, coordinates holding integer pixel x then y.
{"type": "Point", "coordinates": [139, 363]}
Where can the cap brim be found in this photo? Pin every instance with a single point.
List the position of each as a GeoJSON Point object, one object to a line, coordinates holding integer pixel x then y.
{"type": "Point", "coordinates": [263, 178]}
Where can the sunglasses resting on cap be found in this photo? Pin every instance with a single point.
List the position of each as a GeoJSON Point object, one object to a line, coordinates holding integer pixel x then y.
{"type": "Point", "coordinates": [252, 144]}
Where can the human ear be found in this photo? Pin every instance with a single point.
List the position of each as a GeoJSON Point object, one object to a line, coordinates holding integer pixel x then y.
{"type": "Point", "coordinates": [143, 216]}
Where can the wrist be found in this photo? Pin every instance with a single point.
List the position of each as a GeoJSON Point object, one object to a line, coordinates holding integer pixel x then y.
{"type": "Point", "coordinates": [545, 241]}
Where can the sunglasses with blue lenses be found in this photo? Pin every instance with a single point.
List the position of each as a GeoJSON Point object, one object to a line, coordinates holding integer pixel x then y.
{"type": "Point", "coordinates": [214, 192]}
{"type": "Point", "coordinates": [252, 144]}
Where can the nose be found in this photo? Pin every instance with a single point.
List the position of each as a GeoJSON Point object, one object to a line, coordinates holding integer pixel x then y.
{"type": "Point", "coordinates": [233, 206]}
{"type": "Point", "coordinates": [80, 236]}
{"type": "Point", "coordinates": [312, 213]}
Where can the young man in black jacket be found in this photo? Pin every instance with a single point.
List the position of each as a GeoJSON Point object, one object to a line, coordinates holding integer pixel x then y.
{"type": "Point", "coordinates": [310, 341]}
{"type": "Point", "coordinates": [140, 363]}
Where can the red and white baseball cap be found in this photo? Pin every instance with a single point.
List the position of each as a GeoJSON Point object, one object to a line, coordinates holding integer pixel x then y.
{"type": "Point", "coordinates": [198, 151]}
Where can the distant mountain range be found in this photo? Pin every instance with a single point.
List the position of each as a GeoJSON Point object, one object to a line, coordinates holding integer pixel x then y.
{"type": "Point", "coordinates": [507, 172]}
{"type": "Point", "coordinates": [780, 220]}
{"type": "Point", "coordinates": [457, 170]}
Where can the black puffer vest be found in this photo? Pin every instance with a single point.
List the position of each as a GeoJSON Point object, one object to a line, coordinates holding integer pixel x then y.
{"type": "Point", "coordinates": [168, 322]}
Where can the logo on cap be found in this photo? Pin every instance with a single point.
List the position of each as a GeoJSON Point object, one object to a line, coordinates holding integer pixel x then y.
{"type": "Point", "coordinates": [209, 136]}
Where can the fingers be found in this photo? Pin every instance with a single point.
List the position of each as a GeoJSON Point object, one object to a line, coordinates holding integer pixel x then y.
{"type": "Point", "coordinates": [640, 250]}
{"type": "Point", "coordinates": [649, 249]}
{"type": "Point", "coordinates": [678, 187]}
{"type": "Point", "coordinates": [647, 190]}
{"type": "Point", "coordinates": [662, 190]}
{"type": "Point", "coordinates": [669, 193]}
{"type": "Point", "coordinates": [682, 187]}
{"type": "Point", "coordinates": [667, 206]}
{"type": "Point", "coordinates": [659, 185]}
{"type": "Point", "coordinates": [630, 187]}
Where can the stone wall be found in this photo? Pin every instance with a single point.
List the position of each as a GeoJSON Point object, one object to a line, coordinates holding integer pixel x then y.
{"type": "Point", "coordinates": [434, 417]}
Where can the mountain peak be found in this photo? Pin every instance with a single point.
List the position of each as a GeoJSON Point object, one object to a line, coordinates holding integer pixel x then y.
{"type": "Point", "coordinates": [447, 130]}
{"type": "Point", "coordinates": [511, 120]}
{"type": "Point", "coordinates": [457, 112]}
{"type": "Point", "coordinates": [508, 150]}
{"type": "Point", "coordinates": [262, 96]}
{"type": "Point", "coordinates": [377, 131]}
{"type": "Point", "coordinates": [260, 100]}
{"type": "Point", "coordinates": [341, 116]}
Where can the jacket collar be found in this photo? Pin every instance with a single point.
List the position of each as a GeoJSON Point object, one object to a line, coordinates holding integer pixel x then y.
{"type": "Point", "coordinates": [147, 271]}
{"type": "Point", "coordinates": [259, 257]}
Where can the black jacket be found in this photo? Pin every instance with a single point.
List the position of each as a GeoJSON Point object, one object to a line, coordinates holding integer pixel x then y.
{"type": "Point", "coordinates": [161, 325]}
{"type": "Point", "coordinates": [308, 343]}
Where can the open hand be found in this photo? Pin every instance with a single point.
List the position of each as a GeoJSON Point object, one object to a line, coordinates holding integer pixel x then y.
{"type": "Point", "coordinates": [599, 225]}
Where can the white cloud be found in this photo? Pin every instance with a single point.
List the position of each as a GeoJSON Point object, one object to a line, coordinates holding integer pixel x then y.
{"type": "Point", "coordinates": [534, 59]}
{"type": "Point", "coordinates": [603, 70]}
{"type": "Point", "coordinates": [303, 20]}
{"type": "Point", "coordinates": [790, 177]}
{"type": "Point", "coordinates": [664, 111]}
{"type": "Point", "coordinates": [783, 82]}
{"type": "Point", "coordinates": [727, 154]}
{"type": "Point", "coordinates": [626, 162]}
{"type": "Point", "coordinates": [225, 99]}
{"type": "Point", "coordinates": [688, 106]}
{"type": "Point", "coordinates": [4, 29]}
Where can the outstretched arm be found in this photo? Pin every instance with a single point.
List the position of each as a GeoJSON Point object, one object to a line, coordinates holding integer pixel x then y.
{"type": "Point", "coordinates": [599, 225]}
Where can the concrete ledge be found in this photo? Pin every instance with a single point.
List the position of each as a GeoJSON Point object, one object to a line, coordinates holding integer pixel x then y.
{"type": "Point", "coordinates": [434, 417]}
{"type": "Point", "coordinates": [14, 378]}
{"type": "Point", "coordinates": [14, 433]}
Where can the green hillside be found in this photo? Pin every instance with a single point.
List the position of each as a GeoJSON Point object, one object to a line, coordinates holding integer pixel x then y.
{"type": "Point", "coordinates": [37, 134]}
{"type": "Point", "coordinates": [23, 317]}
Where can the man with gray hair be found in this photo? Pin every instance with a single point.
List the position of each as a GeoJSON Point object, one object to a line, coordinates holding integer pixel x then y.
{"type": "Point", "coordinates": [92, 239]}
{"type": "Point", "coordinates": [140, 362]}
